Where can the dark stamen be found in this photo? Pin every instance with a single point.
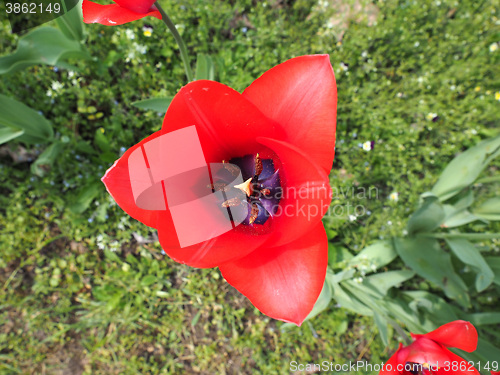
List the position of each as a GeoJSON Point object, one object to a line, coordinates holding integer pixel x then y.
{"type": "Point", "coordinates": [261, 187]}
{"type": "Point", "coordinates": [258, 165]}
{"type": "Point", "coordinates": [219, 186]}
{"type": "Point", "coordinates": [254, 213]}
{"type": "Point", "coordinates": [231, 168]}
{"type": "Point", "coordinates": [231, 202]}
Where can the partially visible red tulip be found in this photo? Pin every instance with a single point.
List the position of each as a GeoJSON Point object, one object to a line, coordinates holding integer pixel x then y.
{"type": "Point", "coordinates": [495, 372]}
{"type": "Point", "coordinates": [121, 12]}
{"type": "Point", "coordinates": [428, 354]}
{"type": "Point", "coordinates": [264, 231]}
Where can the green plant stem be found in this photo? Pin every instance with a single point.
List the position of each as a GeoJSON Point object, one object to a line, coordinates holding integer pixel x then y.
{"type": "Point", "coordinates": [182, 46]}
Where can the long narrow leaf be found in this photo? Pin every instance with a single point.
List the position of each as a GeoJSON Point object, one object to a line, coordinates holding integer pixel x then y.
{"type": "Point", "coordinates": [465, 168]}
{"type": "Point", "coordinates": [7, 134]}
{"type": "Point", "coordinates": [425, 256]}
{"type": "Point", "coordinates": [469, 254]}
{"type": "Point", "coordinates": [14, 114]}
{"type": "Point", "coordinates": [44, 45]}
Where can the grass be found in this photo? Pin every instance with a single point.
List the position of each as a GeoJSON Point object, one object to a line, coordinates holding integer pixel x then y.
{"type": "Point", "coordinates": [85, 289]}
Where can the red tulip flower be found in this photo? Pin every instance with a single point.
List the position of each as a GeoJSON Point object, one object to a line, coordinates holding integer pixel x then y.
{"type": "Point", "coordinates": [121, 12]}
{"type": "Point", "coordinates": [428, 354]}
{"type": "Point", "coordinates": [258, 217]}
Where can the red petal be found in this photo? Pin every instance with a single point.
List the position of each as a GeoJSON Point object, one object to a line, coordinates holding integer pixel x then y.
{"type": "Point", "coordinates": [233, 244]}
{"type": "Point", "coordinates": [112, 14]}
{"type": "Point", "coordinates": [390, 367]}
{"type": "Point", "coordinates": [148, 178]}
{"type": "Point", "coordinates": [117, 181]}
{"type": "Point", "coordinates": [301, 95]}
{"type": "Point", "coordinates": [135, 5]}
{"type": "Point", "coordinates": [227, 123]}
{"type": "Point", "coordinates": [458, 334]}
{"type": "Point", "coordinates": [306, 192]}
{"type": "Point", "coordinates": [456, 365]}
{"type": "Point", "coordinates": [423, 350]}
{"type": "Point", "coordinates": [283, 282]}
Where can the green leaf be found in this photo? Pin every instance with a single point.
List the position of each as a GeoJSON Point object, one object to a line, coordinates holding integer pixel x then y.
{"type": "Point", "coordinates": [464, 201]}
{"type": "Point", "coordinates": [382, 328]}
{"type": "Point", "coordinates": [14, 114]}
{"type": "Point", "coordinates": [376, 255]}
{"type": "Point", "coordinates": [467, 236]}
{"type": "Point", "coordinates": [469, 254]}
{"type": "Point", "coordinates": [148, 280]}
{"type": "Point", "coordinates": [400, 309]}
{"type": "Point", "coordinates": [485, 318]}
{"type": "Point", "coordinates": [7, 134]}
{"type": "Point", "coordinates": [425, 256]}
{"type": "Point", "coordinates": [46, 159]}
{"type": "Point", "coordinates": [488, 351]}
{"type": "Point", "coordinates": [465, 168]}
{"type": "Point", "coordinates": [101, 140]}
{"type": "Point", "coordinates": [349, 301]}
{"type": "Point", "coordinates": [87, 195]}
{"type": "Point", "coordinates": [154, 104]}
{"type": "Point", "coordinates": [438, 310]}
{"type": "Point", "coordinates": [71, 23]}
{"type": "Point", "coordinates": [338, 255]}
{"type": "Point", "coordinates": [205, 68]}
{"type": "Point", "coordinates": [457, 214]}
{"type": "Point", "coordinates": [494, 263]}
{"type": "Point", "coordinates": [382, 282]}
{"type": "Point", "coordinates": [44, 45]}
{"type": "Point", "coordinates": [194, 321]}
{"type": "Point", "coordinates": [489, 210]}
{"type": "Point", "coordinates": [341, 276]}
{"type": "Point", "coordinates": [456, 218]}
{"type": "Point", "coordinates": [428, 217]}
{"type": "Point", "coordinates": [322, 302]}
{"type": "Point", "coordinates": [376, 304]}
{"type": "Point", "coordinates": [112, 256]}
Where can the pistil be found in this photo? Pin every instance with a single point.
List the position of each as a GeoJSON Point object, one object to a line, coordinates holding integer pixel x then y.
{"type": "Point", "coordinates": [246, 187]}
{"type": "Point", "coordinates": [261, 187]}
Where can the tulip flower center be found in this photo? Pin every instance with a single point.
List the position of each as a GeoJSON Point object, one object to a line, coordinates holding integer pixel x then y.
{"type": "Point", "coordinates": [412, 368]}
{"type": "Point", "coordinates": [261, 187]}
